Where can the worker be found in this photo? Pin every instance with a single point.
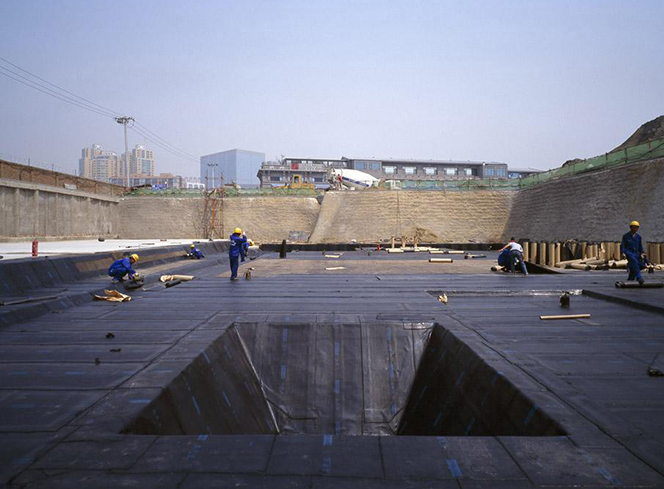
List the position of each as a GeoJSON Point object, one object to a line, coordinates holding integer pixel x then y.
{"type": "Point", "coordinates": [123, 267]}
{"type": "Point", "coordinates": [238, 240]}
{"type": "Point", "coordinates": [516, 254]}
{"type": "Point", "coordinates": [632, 248]}
{"type": "Point", "coordinates": [195, 253]}
{"type": "Point", "coordinates": [244, 251]}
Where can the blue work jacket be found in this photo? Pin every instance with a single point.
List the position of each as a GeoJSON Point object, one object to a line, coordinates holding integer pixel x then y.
{"type": "Point", "coordinates": [631, 244]}
{"type": "Point", "coordinates": [121, 266]}
{"type": "Point", "coordinates": [237, 244]}
{"type": "Point", "coordinates": [197, 253]}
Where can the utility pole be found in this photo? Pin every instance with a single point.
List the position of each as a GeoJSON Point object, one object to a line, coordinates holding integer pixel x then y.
{"type": "Point", "coordinates": [124, 121]}
{"type": "Point", "coordinates": [213, 165]}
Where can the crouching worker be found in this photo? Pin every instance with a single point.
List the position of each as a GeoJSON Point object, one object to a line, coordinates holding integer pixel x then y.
{"type": "Point", "coordinates": [632, 248]}
{"type": "Point", "coordinates": [195, 253]}
{"type": "Point", "coordinates": [123, 267]}
{"type": "Point", "coordinates": [238, 241]}
{"type": "Point", "coordinates": [516, 254]}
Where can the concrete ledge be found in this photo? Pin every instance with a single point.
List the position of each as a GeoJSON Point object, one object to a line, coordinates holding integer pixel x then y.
{"type": "Point", "coordinates": [55, 190]}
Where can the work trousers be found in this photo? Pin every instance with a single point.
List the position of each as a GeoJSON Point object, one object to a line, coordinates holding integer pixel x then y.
{"type": "Point", "coordinates": [634, 264]}
{"type": "Point", "coordinates": [235, 263]}
{"type": "Point", "coordinates": [516, 255]}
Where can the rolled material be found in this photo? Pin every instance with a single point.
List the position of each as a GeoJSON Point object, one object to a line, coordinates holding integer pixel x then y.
{"type": "Point", "coordinates": [592, 251]}
{"type": "Point", "coordinates": [551, 254]}
{"type": "Point", "coordinates": [654, 255]}
{"type": "Point", "coordinates": [661, 251]}
{"type": "Point", "coordinates": [563, 264]}
{"type": "Point", "coordinates": [565, 316]}
{"type": "Point", "coordinates": [541, 255]}
{"type": "Point", "coordinates": [395, 250]}
{"type": "Point", "coordinates": [440, 260]}
{"type": "Point", "coordinates": [526, 250]}
{"type": "Point", "coordinates": [578, 266]}
{"type": "Point", "coordinates": [618, 264]}
{"type": "Point", "coordinates": [584, 249]}
{"type": "Point", "coordinates": [558, 251]}
{"type": "Point", "coordinates": [533, 252]}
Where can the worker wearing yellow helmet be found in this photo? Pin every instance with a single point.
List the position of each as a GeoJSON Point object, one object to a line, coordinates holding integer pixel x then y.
{"type": "Point", "coordinates": [123, 267]}
{"type": "Point", "coordinates": [632, 248]}
{"type": "Point", "coordinates": [236, 249]}
{"type": "Point", "coordinates": [195, 253]}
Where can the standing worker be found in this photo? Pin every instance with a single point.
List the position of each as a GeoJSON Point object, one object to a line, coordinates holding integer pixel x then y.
{"type": "Point", "coordinates": [516, 253]}
{"type": "Point", "coordinates": [632, 248]}
{"type": "Point", "coordinates": [238, 240]}
{"type": "Point", "coordinates": [123, 267]}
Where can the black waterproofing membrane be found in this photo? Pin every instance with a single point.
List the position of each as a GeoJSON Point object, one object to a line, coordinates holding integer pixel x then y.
{"type": "Point", "coordinates": [351, 379]}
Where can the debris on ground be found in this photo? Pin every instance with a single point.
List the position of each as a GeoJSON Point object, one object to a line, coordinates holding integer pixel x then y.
{"type": "Point", "coordinates": [566, 316]}
{"type": "Point", "coordinates": [335, 268]}
{"type": "Point", "coordinates": [656, 368]}
{"type": "Point", "coordinates": [113, 296]}
{"type": "Point", "coordinates": [115, 350]}
{"type": "Point", "coordinates": [443, 298]}
{"type": "Point", "coordinates": [332, 256]}
{"type": "Point", "coordinates": [182, 278]}
{"type": "Point", "coordinates": [172, 283]}
{"type": "Point", "coordinates": [97, 361]}
{"type": "Point", "coordinates": [110, 336]}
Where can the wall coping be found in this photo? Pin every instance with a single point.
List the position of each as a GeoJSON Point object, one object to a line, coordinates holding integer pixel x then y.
{"type": "Point", "coordinates": [5, 182]}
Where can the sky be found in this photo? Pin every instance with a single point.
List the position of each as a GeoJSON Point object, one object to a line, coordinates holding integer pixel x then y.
{"type": "Point", "coordinates": [531, 83]}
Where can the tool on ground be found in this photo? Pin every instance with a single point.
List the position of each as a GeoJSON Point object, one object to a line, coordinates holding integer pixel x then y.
{"type": "Point", "coordinates": [440, 260]}
{"type": "Point", "coordinates": [564, 299]}
{"type": "Point", "coordinates": [172, 283]}
{"type": "Point", "coordinates": [636, 285]}
{"type": "Point", "coordinates": [113, 296]}
{"type": "Point", "coordinates": [135, 282]}
{"type": "Point", "coordinates": [566, 316]}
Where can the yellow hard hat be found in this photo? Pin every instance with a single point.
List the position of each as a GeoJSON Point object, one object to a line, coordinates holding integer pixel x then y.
{"type": "Point", "coordinates": [134, 257]}
{"type": "Point", "coordinates": [238, 231]}
{"type": "Point", "coordinates": [192, 246]}
{"type": "Point", "coordinates": [635, 223]}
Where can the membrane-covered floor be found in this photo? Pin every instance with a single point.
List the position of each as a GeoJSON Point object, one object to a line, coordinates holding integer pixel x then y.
{"type": "Point", "coordinates": [64, 416]}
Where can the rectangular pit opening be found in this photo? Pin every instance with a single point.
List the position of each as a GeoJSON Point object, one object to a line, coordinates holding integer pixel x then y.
{"type": "Point", "coordinates": [344, 379]}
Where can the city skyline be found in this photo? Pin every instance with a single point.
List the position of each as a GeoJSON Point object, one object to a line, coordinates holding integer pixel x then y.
{"type": "Point", "coordinates": [530, 84]}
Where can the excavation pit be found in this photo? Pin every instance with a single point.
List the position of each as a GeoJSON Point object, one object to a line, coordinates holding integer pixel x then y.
{"type": "Point", "coordinates": [342, 379]}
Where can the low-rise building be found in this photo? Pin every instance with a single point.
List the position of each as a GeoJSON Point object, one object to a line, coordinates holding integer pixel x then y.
{"type": "Point", "coordinates": [315, 170]}
{"type": "Point", "coordinates": [163, 180]}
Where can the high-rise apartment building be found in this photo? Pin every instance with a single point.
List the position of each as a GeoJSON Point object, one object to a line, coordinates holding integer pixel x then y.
{"type": "Point", "coordinates": [142, 161]}
{"type": "Point", "coordinates": [106, 165]}
{"type": "Point", "coordinates": [99, 164]}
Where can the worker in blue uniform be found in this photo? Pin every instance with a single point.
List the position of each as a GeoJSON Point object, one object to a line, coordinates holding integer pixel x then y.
{"type": "Point", "coordinates": [238, 240]}
{"type": "Point", "coordinates": [632, 248]}
{"type": "Point", "coordinates": [122, 267]}
{"type": "Point", "coordinates": [195, 253]}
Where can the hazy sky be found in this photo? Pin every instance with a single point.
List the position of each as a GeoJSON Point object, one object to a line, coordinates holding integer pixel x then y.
{"type": "Point", "coordinates": [530, 83]}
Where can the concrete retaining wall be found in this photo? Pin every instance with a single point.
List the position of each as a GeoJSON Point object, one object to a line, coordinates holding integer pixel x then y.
{"type": "Point", "coordinates": [440, 217]}
{"type": "Point", "coordinates": [30, 210]}
{"type": "Point", "coordinates": [596, 206]}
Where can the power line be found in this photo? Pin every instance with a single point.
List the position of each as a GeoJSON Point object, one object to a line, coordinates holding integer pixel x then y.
{"type": "Point", "coordinates": [88, 105]}
{"type": "Point", "coordinates": [51, 93]}
{"type": "Point", "coordinates": [166, 142]}
{"type": "Point", "coordinates": [60, 88]}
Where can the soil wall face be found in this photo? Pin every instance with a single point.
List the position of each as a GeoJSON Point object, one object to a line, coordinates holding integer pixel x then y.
{"type": "Point", "coordinates": [596, 206]}
{"type": "Point", "coordinates": [444, 217]}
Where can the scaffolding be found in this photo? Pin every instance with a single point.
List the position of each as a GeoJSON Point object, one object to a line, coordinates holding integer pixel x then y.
{"type": "Point", "coordinates": [212, 219]}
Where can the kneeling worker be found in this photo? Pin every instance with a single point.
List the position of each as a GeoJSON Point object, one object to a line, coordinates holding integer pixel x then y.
{"type": "Point", "coordinates": [516, 254]}
{"type": "Point", "coordinates": [123, 267]}
{"type": "Point", "coordinates": [632, 248]}
{"type": "Point", "coordinates": [195, 253]}
{"type": "Point", "coordinates": [237, 247]}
